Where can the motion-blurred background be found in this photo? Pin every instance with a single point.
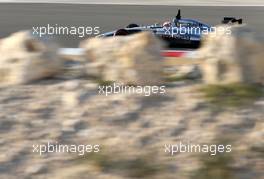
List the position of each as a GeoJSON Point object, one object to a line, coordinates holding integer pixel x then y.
{"type": "Point", "coordinates": [213, 98]}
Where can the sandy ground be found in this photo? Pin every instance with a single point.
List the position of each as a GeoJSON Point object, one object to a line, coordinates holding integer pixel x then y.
{"type": "Point", "coordinates": [72, 112]}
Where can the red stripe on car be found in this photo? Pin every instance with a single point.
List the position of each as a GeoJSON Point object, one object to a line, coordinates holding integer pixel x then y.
{"type": "Point", "coordinates": [173, 53]}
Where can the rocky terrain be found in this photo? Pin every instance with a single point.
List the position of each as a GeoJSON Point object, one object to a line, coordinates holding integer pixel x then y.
{"type": "Point", "coordinates": [131, 129]}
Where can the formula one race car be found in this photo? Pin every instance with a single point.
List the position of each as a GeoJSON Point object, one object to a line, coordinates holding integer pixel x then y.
{"type": "Point", "coordinates": [177, 33]}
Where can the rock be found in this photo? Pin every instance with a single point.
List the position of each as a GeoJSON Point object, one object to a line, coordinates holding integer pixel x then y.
{"type": "Point", "coordinates": [185, 72]}
{"type": "Point", "coordinates": [76, 171]}
{"type": "Point", "coordinates": [73, 69]}
{"type": "Point", "coordinates": [76, 93]}
{"type": "Point", "coordinates": [24, 59]}
{"type": "Point", "coordinates": [191, 72]}
{"type": "Point", "coordinates": [72, 99]}
{"type": "Point", "coordinates": [36, 169]}
{"type": "Point", "coordinates": [259, 103]}
{"type": "Point", "coordinates": [232, 58]}
{"type": "Point", "coordinates": [72, 85]}
{"type": "Point", "coordinates": [71, 125]}
{"type": "Point", "coordinates": [131, 59]}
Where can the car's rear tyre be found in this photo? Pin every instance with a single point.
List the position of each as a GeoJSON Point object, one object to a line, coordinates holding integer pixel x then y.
{"type": "Point", "coordinates": [132, 26]}
{"type": "Point", "coordinates": [121, 32]}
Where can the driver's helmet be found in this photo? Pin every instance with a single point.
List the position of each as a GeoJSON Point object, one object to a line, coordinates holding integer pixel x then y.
{"type": "Point", "coordinates": [166, 24]}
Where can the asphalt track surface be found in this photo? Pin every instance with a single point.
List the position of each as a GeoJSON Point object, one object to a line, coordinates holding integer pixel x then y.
{"type": "Point", "coordinates": [15, 17]}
